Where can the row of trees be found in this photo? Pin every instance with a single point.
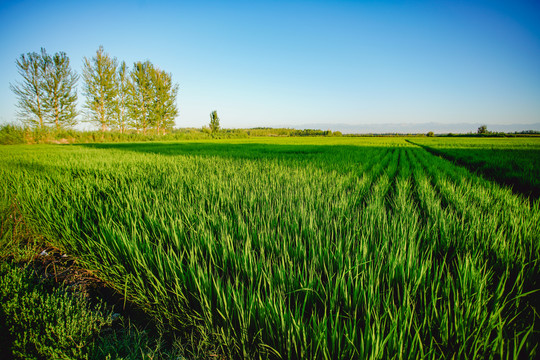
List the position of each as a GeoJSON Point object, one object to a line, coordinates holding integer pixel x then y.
{"type": "Point", "coordinates": [116, 98]}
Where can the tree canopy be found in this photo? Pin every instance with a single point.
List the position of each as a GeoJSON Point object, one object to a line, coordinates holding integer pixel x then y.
{"type": "Point", "coordinates": [47, 93]}
{"type": "Point", "coordinates": [61, 100]}
{"type": "Point", "coordinates": [151, 98]}
{"type": "Point", "coordinates": [100, 88]}
{"type": "Point", "coordinates": [483, 129]}
{"type": "Point", "coordinates": [214, 121]}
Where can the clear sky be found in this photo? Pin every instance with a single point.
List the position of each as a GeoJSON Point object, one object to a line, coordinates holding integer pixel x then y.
{"type": "Point", "coordinates": [270, 63]}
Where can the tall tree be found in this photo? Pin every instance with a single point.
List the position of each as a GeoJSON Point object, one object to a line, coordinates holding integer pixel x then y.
{"type": "Point", "coordinates": [30, 91]}
{"type": "Point", "coordinates": [100, 88]}
{"type": "Point", "coordinates": [164, 109]}
{"type": "Point", "coordinates": [214, 121]}
{"type": "Point", "coordinates": [60, 87]}
{"type": "Point", "coordinates": [141, 96]}
{"type": "Point", "coordinates": [122, 84]}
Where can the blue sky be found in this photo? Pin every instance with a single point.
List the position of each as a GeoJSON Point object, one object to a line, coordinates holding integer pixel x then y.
{"type": "Point", "coordinates": [272, 63]}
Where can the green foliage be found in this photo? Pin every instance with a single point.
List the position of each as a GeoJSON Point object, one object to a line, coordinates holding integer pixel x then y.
{"type": "Point", "coordinates": [101, 88]}
{"type": "Point", "coordinates": [151, 98]}
{"type": "Point", "coordinates": [214, 122]}
{"type": "Point", "coordinates": [297, 247]}
{"type": "Point", "coordinates": [11, 134]}
{"type": "Point", "coordinates": [482, 130]}
{"type": "Point", "coordinates": [311, 132]}
{"type": "Point", "coordinates": [143, 99]}
{"type": "Point", "coordinates": [60, 86]}
{"type": "Point", "coordinates": [53, 323]}
{"type": "Point", "coordinates": [121, 116]}
{"type": "Point", "coordinates": [30, 93]}
{"type": "Point", "coordinates": [164, 109]}
{"type": "Point", "coordinates": [129, 342]}
{"type": "Point", "coordinates": [430, 134]}
{"type": "Point", "coordinates": [261, 131]}
{"type": "Point", "coordinates": [14, 232]}
{"type": "Point", "coordinates": [48, 93]}
{"type": "Point", "coordinates": [46, 325]}
{"type": "Point", "coordinates": [141, 96]}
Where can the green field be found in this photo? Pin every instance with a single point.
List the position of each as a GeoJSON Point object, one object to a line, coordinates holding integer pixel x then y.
{"type": "Point", "coordinates": [303, 248]}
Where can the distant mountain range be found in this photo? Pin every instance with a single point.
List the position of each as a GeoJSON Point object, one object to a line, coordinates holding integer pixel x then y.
{"type": "Point", "coordinates": [407, 128]}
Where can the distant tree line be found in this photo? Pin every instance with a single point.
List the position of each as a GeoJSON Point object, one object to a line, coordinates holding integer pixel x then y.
{"type": "Point", "coordinates": [314, 132]}
{"type": "Point", "coordinates": [116, 98]}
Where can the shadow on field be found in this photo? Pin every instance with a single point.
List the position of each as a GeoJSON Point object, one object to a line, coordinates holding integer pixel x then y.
{"type": "Point", "coordinates": [340, 158]}
{"type": "Point", "coordinates": [226, 150]}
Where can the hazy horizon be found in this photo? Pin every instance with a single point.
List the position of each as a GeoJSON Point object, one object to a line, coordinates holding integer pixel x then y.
{"type": "Point", "coordinates": [264, 64]}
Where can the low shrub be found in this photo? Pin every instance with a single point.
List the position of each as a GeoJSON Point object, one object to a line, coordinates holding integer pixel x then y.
{"type": "Point", "coordinates": [47, 324]}
{"type": "Point", "coordinates": [11, 134]}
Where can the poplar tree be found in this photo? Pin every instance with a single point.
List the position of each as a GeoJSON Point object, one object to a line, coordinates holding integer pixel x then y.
{"type": "Point", "coordinates": [122, 84]}
{"type": "Point", "coordinates": [164, 110]}
{"type": "Point", "coordinates": [214, 121]}
{"type": "Point", "coordinates": [100, 88]}
{"type": "Point", "coordinates": [141, 96]}
{"type": "Point", "coordinates": [60, 89]}
{"type": "Point", "coordinates": [30, 92]}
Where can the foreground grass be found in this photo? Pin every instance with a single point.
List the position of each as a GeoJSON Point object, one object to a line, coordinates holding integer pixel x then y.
{"type": "Point", "coordinates": [40, 321]}
{"type": "Point", "coordinates": [48, 311]}
{"type": "Point", "coordinates": [296, 248]}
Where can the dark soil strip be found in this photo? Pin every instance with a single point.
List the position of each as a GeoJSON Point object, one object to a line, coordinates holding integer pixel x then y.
{"type": "Point", "coordinates": [5, 340]}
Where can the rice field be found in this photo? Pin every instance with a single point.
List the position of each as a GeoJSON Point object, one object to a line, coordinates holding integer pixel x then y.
{"type": "Point", "coordinates": [297, 248]}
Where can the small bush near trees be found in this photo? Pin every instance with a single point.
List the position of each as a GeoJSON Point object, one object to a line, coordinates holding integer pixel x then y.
{"type": "Point", "coordinates": [11, 134]}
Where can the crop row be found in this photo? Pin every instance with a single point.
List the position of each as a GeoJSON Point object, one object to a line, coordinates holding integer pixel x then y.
{"type": "Point", "coordinates": [511, 162]}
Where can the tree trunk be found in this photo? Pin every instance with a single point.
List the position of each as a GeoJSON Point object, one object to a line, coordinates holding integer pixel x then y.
{"type": "Point", "coordinates": [102, 105]}
{"type": "Point", "coordinates": [123, 124]}
{"type": "Point", "coordinates": [56, 114]}
{"type": "Point", "coordinates": [40, 116]}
